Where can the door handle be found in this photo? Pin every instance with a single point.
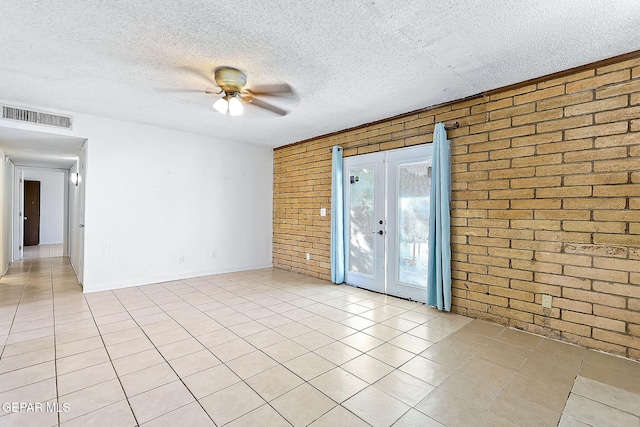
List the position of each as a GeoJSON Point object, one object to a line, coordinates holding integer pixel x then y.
{"type": "Point", "coordinates": [25, 218]}
{"type": "Point", "coordinates": [380, 232]}
{"type": "Point", "coordinates": [81, 225]}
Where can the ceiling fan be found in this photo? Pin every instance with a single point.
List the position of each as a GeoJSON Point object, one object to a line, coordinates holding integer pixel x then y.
{"type": "Point", "coordinates": [232, 83]}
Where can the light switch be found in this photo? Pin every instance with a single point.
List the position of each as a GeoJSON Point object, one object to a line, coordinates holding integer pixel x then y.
{"type": "Point", "coordinates": [323, 211]}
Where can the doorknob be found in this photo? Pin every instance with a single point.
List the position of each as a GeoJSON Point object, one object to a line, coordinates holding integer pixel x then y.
{"type": "Point", "coordinates": [25, 218]}
{"type": "Point", "coordinates": [379, 232]}
{"type": "Point", "coordinates": [81, 225]}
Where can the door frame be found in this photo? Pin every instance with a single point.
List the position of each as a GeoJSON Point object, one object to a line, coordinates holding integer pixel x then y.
{"type": "Point", "coordinates": [386, 252]}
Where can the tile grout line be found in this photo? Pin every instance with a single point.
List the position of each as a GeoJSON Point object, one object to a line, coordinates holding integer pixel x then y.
{"type": "Point", "coordinates": [110, 360]}
{"type": "Point", "coordinates": [15, 314]}
{"type": "Point", "coordinates": [161, 355]}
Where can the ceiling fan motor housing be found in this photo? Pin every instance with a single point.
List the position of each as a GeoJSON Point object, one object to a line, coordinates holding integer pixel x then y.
{"type": "Point", "coordinates": [230, 79]}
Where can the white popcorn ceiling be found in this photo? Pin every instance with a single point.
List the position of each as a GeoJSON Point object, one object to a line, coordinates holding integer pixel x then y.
{"type": "Point", "coordinates": [350, 62]}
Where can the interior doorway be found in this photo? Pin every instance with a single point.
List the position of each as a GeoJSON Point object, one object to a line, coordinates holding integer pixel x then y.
{"type": "Point", "coordinates": [31, 209]}
{"type": "Point", "coordinates": [387, 221]}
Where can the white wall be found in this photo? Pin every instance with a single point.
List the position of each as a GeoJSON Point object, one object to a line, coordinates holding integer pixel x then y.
{"type": "Point", "coordinates": [52, 183]}
{"type": "Point", "coordinates": [6, 194]}
{"type": "Point", "coordinates": [153, 195]}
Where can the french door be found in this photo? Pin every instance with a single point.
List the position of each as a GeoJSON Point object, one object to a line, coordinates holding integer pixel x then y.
{"type": "Point", "coordinates": [387, 221]}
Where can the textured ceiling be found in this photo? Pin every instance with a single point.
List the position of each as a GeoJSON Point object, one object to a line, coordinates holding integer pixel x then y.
{"type": "Point", "coordinates": [350, 62]}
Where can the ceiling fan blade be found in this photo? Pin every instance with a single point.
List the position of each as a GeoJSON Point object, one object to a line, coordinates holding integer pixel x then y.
{"type": "Point", "coordinates": [271, 90]}
{"type": "Point", "coordinates": [200, 74]}
{"type": "Point", "coordinates": [175, 90]}
{"type": "Point", "coordinates": [259, 103]}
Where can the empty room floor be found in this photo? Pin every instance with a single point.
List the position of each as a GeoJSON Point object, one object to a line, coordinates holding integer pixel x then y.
{"type": "Point", "coordinates": [274, 348]}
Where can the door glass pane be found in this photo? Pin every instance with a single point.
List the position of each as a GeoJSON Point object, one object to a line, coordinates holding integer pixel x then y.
{"type": "Point", "coordinates": [414, 186]}
{"type": "Point", "coordinates": [361, 212]}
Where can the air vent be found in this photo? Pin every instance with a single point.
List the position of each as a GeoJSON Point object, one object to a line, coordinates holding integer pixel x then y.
{"type": "Point", "coordinates": [31, 116]}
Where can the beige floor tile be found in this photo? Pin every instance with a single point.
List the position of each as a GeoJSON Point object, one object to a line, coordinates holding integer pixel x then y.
{"type": "Point", "coordinates": [521, 411]}
{"type": "Point", "coordinates": [36, 357]}
{"type": "Point", "coordinates": [26, 376]}
{"type": "Point", "coordinates": [448, 409]}
{"type": "Point", "coordinates": [595, 413]}
{"type": "Point", "coordinates": [137, 361]}
{"type": "Point", "coordinates": [86, 377]}
{"type": "Point", "coordinates": [285, 350]}
{"type": "Point", "coordinates": [127, 348]}
{"type": "Point", "coordinates": [491, 420]}
{"type": "Point", "coordinates": [611, 376]}
{"type": "Point", "coordinates": [338, 352]}
{"type": "Point", "coordinates": [487, 372]}
{"type": "Point", "coordinates": [550, 392]}
{"type": "Point", "coordinates": [478, 392]}
{"type": "Point", "coordinates": [308, 366]}
{"type": "Point", "coordinates": [265, 415]}
{"type": "Point", "coordinates": [338, 384]}
{"type": "Point", "coordinates": [41, 391]}
{"type": "Point", "coordinates": [28, 346]}
{"type": "Point", "coordinates": [313, 340]}
{"type": "Point", "coordinates": [358, 322]}
{"type": "Point", "coordinates": [116, 414]}
{"type": "Point", "coordinates": [404, 387]}
{"type": "Point", "coordinates": [264, 339]}
{"type": "Point", "coordinates": [607, 394]}
{"type": "Point", "coordinates": [274, 382]}
{"type": "Point", "coordinates": [122, 336]}
{"type": "Point", "coordinates": [427, 370]}
{"type": "Point", "coordinates": [362, 342]}
{"type": "Point", "coordinates": [413, 418]}
{"type": "Point", "coordinates": [292, 329]}
{"type": "Point", "coordinates": [391, 355]}
{"type": "Point", "coordinates": [159, 401]}
{"type": "Point", "coordinates": [339, 416]}
{"type": "Point", "coordinates": [382, 332]}
{"type": "Point", "coordinates": [163, 338]}
{"type": "Point", "coordinates": [411, 343]}
{"type": "Point", "coordinates": [29, 335]}
{"type": "Point", "coordinates": [191, 415]}
{"type": "Point", "coordinates": [30, 419]}
{"type": "Point", "coordinates": [146, 379]}
{"type": "Point", "coordinates": [194, 362]}
{"type": "Point", "coordinates": [376, 407]}
{"type": "Point", "coordinates": [210, 380]}
{"type": "Point", "coordinates": [180, 348]}
{"type": "Point", "coordinates": [232, 350]}
{"type": "Point", "coordinates": [67, 337]}
{"type": "Point", "coordinates": [303, 405]}
{"type": "Point", "coordinates": [251, 364]}
{"type": "Point", "coordinates": [230, 403]}
{"type": "Point", "coordinates": [90, 399]}
{"type": "Point", "coordinates": [446, 355]}
{"type": "Point", "coordinates": [217, 337]}
{"type": "Point", "coordinates": [367, 368]}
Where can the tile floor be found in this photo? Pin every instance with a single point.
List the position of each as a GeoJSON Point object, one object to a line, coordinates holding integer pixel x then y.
{"type": "Point", "coordinates": [273, 348]}
{"type": "Point", "coordinates": [43, 251]}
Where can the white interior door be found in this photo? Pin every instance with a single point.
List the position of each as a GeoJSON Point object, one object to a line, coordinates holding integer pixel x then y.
{"type": "Point", "coordinates": [387, 221]}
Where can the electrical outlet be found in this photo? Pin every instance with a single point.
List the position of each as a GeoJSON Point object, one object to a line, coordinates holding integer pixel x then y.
{"type": "Point", "coordinates": [323, 211]}
{"type": "Point", "coordinates": [546, 301]}
{"type": "Point", "coordinates": [180, 259]}
{"type": "Point", "coordinates": [308, 256]}
{"type": "Point", "coordinates": [211, 254]}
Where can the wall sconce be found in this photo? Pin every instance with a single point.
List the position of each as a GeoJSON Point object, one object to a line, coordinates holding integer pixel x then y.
{"type": "Point", "coordinates": [74, 178]}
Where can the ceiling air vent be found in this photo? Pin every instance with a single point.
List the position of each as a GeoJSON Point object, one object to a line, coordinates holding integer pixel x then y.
{"type": "Point", "coordinates": [31, 116]}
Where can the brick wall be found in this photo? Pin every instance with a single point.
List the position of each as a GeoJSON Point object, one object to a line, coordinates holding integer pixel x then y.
{"type": "Point", "coordinates": [545, 200]}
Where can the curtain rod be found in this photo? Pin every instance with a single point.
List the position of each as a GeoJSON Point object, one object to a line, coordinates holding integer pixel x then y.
{"type": "Point", "coordinates": [456, 125]}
